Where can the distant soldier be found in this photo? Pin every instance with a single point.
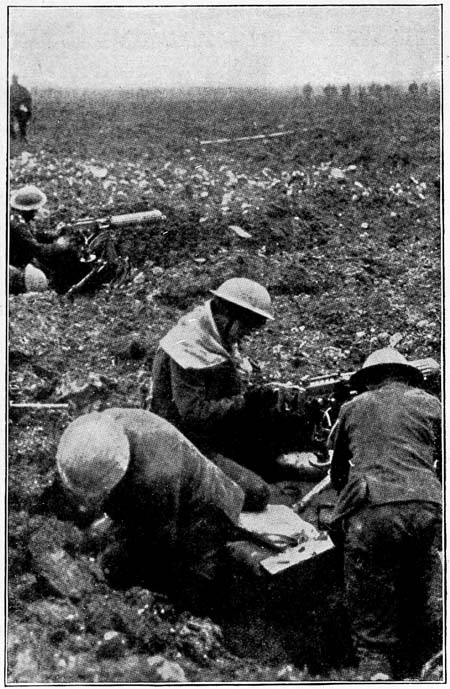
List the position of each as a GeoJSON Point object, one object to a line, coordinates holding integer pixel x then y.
{"type": "Point", "coordinates": [20, 108]}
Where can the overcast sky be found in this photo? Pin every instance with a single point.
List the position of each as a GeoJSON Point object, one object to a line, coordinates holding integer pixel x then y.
{"type": "Point", "coordinates": [218, 46]}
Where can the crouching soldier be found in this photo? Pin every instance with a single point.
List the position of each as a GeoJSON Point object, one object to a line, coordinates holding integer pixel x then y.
{"type": "Point", "coordinates": [200, 376]}
{"type": "Point", "coordinates": [386, 458]}
{"type": "Point", "coordinates": [174, 509]}
{"type": "Point", "coordinates": [45, 255]}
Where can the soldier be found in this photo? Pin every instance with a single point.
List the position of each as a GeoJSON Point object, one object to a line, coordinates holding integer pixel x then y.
{"type": "Point", "coordinates": [200, 376]}
{"type": "Point", "coordinates": [387, 454]}
{"type": "Point", "coordinates": [29, 246]}
{"type": "Point", "coordinates": [173, 509]}
{"type": "Point", "coordinates": [20, 105]}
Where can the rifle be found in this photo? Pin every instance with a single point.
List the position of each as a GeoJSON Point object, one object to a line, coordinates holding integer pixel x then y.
{"type": "Point", "coordinates": [96, 246]}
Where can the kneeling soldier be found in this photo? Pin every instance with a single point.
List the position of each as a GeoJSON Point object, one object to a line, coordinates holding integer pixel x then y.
{"type": "Point", "coordinates": [174, 508]}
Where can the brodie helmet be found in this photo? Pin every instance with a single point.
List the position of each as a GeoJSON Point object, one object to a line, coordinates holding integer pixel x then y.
{"type": "Point", "coordinates": [28, 198]}
{"type": "Point", "coordinates": [92, 457]}
{"type": "Point", "coordinates": [247, 294]}
{"type": "Point", "coordinates": [386, 361]}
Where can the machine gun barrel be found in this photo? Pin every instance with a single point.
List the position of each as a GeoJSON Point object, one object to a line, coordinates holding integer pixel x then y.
{"type": "Point", "coordinates": [118, 220]}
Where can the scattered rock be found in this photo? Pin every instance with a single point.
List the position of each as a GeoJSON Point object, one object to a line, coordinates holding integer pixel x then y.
{"type": "Point", "coordinates": [337, 174]}
{"type": "Point", "coordinates": [240, 232]}
{"type": "Point", "coordinates": [199, 638]}
{"type": "Point", "coordinates": [380, 677]}
{"type": "Point", "coordinates": [166, 670]}
{"type": "Point", "coordinates": [51, 563]}
{"type": "Point", "coordinates": [97, 171]}
{"type": "Point", "coordinates": [82, 392]}
{"type": "Point", "coordinates": [288, 673]}
{"type": "Point", "coordinates": [63, 575]}
{"type": "Point", "coordinates": [53, 613]}
{"type": "Point", "coordinates": [113, 645]}
{"type": "Point", "coordinates": [395, 339]}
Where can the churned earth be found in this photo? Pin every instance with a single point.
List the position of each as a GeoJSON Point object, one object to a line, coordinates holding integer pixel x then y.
{"type": "Point", "coordinates": [341, 221]}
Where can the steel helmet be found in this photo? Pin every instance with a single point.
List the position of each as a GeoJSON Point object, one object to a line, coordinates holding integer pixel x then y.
{"type": "Point", "coordinates": [28, 198]}
{"type": "Point", "coordinates": [93, 456]}
{"type": "Point", "coordinates": [247, 294]}
{"type": "Point", "coordinates": [386, 361]}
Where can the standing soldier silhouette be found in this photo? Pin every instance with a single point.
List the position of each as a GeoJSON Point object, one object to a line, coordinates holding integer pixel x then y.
{"type": "Point", "coordinates": [20, 108]}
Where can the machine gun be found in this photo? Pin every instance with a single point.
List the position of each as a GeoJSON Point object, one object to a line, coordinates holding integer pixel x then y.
{"type": "Point", "coordinates": [317, 401]}
{"type": "Point", "coordinates": [331, 391]}
{"type": "Point", "coordinates": [96, 245]}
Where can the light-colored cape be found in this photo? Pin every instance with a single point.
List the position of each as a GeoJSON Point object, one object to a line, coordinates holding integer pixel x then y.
{"type": "Point", "coordinates": [194, 342]}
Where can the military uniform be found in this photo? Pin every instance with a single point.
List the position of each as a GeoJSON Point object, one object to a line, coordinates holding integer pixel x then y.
{"type": "Point", "coordinates": [198, 385]}
{"type": "Point", "coordinates": [174, 508]}
{"type": "Point", "coordinates": [385, 463]}
{"type": "Point", "coordinates": [28, 245]}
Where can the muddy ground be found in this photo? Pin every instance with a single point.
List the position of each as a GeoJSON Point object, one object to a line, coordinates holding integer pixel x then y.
{"type": "Point", "coordinates": [343, 218]}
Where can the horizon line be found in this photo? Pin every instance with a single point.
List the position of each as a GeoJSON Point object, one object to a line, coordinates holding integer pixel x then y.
{"type": "Point", "coordinates": [255, 87]}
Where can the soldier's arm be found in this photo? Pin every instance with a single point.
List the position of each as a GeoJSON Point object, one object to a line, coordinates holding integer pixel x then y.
{"type": "Point", "coordinates": [22, 243]}
{"type": "Point", "coordinates": [340, 464]}
{"type": "Point", "coordinates": [189, 396]}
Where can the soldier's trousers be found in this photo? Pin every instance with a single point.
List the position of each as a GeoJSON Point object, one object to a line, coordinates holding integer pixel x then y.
{"type": "Point", "coordinates": [393, 577]}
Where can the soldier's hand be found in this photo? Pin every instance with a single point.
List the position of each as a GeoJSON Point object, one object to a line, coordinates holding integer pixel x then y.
{"type": "Point", "coordinates": [287, 397]}
{"type": "Point", "coordinates": [287, 400]}
{"type": "Point", "coordinates": [63, 241]}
